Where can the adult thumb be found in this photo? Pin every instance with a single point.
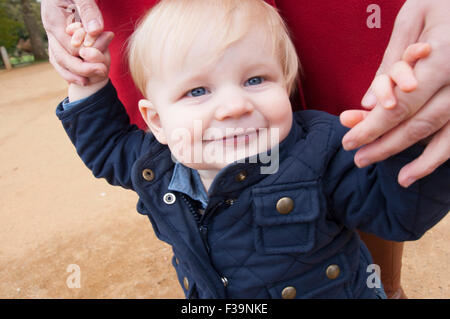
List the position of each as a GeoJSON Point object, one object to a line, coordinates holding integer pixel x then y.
{"type": "Point", "coordinates": [103, 41]}
{"type": "Point", "coordinates": [90, 15]}
{"type": "Point", "coordinates": [408, 26]}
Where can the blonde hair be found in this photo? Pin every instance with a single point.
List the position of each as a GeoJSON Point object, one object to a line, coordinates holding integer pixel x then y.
{"type": "Point", "coordinates": [178, 23]}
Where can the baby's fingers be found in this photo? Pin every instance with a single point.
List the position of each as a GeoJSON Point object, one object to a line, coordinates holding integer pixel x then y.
{"type": "Point", "coordinates": [92, 55]}
{"type": "Point", "coordinates": [89, 40]}
{"type": "Point", "coordinates": [382, 87]}
{"type": "Point", "coordinates": [402, 74]}
{"type": "Point", "coordinates": [350, 118]}
{"type": "Point", "coordinates": [78, 37]}
{"type": "Point", "coordinates": [71, 28]}
{"type": "Point", "coordinates": [415, 52]}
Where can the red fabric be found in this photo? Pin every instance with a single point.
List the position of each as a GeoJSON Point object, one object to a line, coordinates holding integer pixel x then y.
{"type": "Point", "coordinates": [120, 17]}
{"type": "Point", "coordinates": [338, 52]}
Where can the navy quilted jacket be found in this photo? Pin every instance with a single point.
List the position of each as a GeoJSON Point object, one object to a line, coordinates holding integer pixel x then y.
{"type": "Point", "coordinates": [242, 247]}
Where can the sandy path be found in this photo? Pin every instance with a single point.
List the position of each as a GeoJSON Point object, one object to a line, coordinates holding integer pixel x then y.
{"type": "Point", "coordinates": [53, 214]}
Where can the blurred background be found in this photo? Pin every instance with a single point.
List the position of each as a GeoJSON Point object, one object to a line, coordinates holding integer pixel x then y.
{"type": "Point", "coordinates": [21, 32]}
{"type": "Point", "coordinates": [65, 234]}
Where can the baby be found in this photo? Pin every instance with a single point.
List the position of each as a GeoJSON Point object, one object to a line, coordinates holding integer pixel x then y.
{"type": "Point", "coordinates": [217, 76]}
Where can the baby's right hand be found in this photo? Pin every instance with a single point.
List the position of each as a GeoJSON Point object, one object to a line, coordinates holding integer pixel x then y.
{"type": "Point", "coordinates": [91, 55]}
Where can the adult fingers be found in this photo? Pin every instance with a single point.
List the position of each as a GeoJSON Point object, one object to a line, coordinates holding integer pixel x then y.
{"type": "Point", "coordinates": [56, 29]}
{"type": "Point", "coordinates": [74, 64]}
{"type": "Point", "coordinates": [431, 74]}
{"type": "Point", "coordinates": [66, 74]}
{"type": "Point", "coordinates": [431, 118]}
{"type": "Point", "coordinates": [107, 58]}
{"type": "Point", "coordinates": [435, 154]}
{"type": "Point", "coordinates": [103, 41]}
{"type": "Point", "coordinates": [407, 28]}
{"type": "Point", "coordinates": [91, 16]}
{"type": "Point", "coordinates": [92, 55]}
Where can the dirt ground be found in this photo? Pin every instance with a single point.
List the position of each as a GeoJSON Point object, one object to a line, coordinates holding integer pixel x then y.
{"type": "Point", "coordinates": [54, 214]}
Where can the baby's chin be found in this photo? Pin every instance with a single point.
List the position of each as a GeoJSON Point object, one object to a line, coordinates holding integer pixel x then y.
{"type": "Point", "coordinates": [217, 154]}
{"type": "Point", "coordinates": [216, 164]}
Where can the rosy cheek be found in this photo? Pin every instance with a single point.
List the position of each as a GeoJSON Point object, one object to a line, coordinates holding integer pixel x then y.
{"type": "Point", "coordinates": [282, 118]}
{"type": "Point", "coordinates": [282, 111]}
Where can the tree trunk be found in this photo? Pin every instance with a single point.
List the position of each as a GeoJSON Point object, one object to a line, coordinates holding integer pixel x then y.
{"type": "Point", "coordinates": [33, 29]}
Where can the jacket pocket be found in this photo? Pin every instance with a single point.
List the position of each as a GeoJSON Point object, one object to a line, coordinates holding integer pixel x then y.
{"type": "Point", "coordinates": [285, 217]}
{"type": "Point", "coordinates": [327, 280]}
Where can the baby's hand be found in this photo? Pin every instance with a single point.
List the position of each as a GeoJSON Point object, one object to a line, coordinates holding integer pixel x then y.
{"type": "Point", "coordinates": [91, 55]}
{"type": "Point", "coordinates": [87, 53]}
{"type": "Point", "coordinates": [400, 74]}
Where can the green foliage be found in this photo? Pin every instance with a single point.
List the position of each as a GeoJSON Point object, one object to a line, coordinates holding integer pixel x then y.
{"type": "Point", "coordinates": [23, 59]}
{"type": "Point", "coordinates": [12, 27]}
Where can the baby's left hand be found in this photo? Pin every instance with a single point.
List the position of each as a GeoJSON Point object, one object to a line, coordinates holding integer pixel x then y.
{"type": "Point", "coordinates": [400, 74]}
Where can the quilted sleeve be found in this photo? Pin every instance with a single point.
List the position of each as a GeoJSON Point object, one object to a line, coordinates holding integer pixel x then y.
{"type": "Point", "coordinates": [100, 130]}
{"type": "Point", "coordinates": [370, 199]}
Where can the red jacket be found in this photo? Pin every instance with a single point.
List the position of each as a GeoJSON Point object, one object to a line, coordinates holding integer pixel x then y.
{"type": "Point", "coordinates": [339, 53]}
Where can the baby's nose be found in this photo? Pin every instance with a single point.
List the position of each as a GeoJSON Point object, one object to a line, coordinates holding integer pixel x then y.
{"type": "Point", "coordinates": [234, 107]}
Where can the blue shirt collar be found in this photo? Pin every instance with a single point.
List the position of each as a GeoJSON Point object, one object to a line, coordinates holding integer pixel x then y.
{"type": "Point", "coordinates": [187, 181]}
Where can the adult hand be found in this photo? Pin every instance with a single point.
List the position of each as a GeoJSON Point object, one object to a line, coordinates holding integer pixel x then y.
{"type": "Point", "coordinates": [393, 124]}
{"type": "Point", "coordinates": [56, 15]}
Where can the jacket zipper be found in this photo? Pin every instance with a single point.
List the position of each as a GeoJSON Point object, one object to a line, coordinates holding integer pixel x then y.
{"type": "Point", "coordinates": [203, 229]}
{"type": "Point", "coordinates": [200, 219]}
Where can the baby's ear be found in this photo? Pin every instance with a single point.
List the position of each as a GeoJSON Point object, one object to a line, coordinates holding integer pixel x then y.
{"type": "Point", "coordinates": [151, 118]}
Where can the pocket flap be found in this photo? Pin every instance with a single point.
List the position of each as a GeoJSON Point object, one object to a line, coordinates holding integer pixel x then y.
{"type": "Point", "coordinates": [291, 226]}
{"type": "Point", "coordinates": [305, 198]}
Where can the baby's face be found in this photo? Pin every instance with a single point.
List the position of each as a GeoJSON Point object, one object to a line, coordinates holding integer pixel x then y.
{"type": "Point", "coordinates": [211, 116]}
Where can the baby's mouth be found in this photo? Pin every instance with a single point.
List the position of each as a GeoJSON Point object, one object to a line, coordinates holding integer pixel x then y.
{"type": "Point", "coordinates": [243, 138]}
{"type": "Point", "coordinates": [235, 138]}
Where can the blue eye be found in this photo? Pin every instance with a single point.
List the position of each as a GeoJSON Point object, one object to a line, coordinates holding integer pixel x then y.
{"type": "Point", "coordinates": [197, 92]}
{"type": "Point", "coordinates": [254, 81]}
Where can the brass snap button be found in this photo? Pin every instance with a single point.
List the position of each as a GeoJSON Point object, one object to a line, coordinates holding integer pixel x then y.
{"type": "Point", "coordinates": [285, 205]}
{"type": "Point", "coordinates": [177, 261]}
{"type": "Point", "coordinates": [333, 271]}
{"type": "Point", "coordinates": [186, 283]}
{"type": "Point", "coordinates": [241, 176]}
{"type": "Point", "coordinates": [289, 293]}
{"type": "Point", "coordinates": [169, 198]}
{"type": "Point", "coordinates": [148, 174]}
